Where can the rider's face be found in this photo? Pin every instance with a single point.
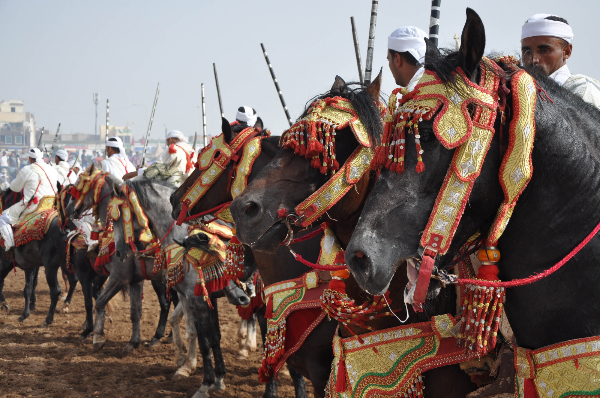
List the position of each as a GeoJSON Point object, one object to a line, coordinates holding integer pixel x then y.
{"type": "Point", "coordinates": [546, 52]}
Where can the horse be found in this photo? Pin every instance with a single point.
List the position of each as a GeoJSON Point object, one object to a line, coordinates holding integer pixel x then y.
{"type": "Point", "coordinates": [313, 359]}
{"type": "Point", "coordinates": [125, 269]}
{"type": "Point", "coordinates": [554, 213]}
{"type": "Point", "coordinates": [289, 179]}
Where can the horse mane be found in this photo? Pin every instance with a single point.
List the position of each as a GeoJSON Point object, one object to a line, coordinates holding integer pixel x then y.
{"type": "Point", "coordinates": [363, 104]}
{"type": "Point", "coordinates": [142, 194]}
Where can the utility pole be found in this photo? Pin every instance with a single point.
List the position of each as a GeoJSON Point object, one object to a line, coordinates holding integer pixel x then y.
{"type": "Point", "coordinates": [95, 99]}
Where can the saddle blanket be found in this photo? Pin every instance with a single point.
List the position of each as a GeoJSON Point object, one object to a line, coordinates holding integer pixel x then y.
{"type": "Point", "coordinates": [35, 225]}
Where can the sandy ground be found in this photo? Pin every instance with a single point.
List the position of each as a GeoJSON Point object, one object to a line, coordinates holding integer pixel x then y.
{"type": "Point", "coordinates": [53, 362]}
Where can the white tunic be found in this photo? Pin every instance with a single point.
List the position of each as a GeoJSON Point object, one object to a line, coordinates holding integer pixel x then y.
{"type": "Point", "coordinates": [66, 176]}
{"type": "Point", "coordinates": [581, 85]}
{"type": "Point", "coordinates": [118, 166]}
{"type": "Point", "coordinates": [36, 181]}
{"type": "Point", "coordinates": [180, 149]}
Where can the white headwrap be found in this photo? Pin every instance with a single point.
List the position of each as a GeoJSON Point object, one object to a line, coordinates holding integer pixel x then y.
{"type": "Point", "coordinates": [35, 153]}
{"type": "Point", "coordinates": [538, 25]}
{"type": "Point", "coordinates": [409, 39]}
{"type": "Point", "coordinates": [246, 114]}
{"type": "Point", "coordinates": [62, 154]}
{"type": "Point", "coordinates": [116, 142]}
{"type": "Point", "coordinates": [177, 134]}
{"type": "Point", "coordinates": [76, 165]}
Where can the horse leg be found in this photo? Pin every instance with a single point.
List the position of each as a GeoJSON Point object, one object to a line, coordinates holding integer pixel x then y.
{"type": "Point", "coordinates": [135, 297]}
{"type": "Point", "coordinates": [73, 279]}
{"type": "Point", "coordinates": [252, 333]}
{"type": "Point", "coordinates": [175, 301]}
{"type": "Point", "coordinates": [66, 281]}
{"type": "Point", "coordinates": [220, 369]}
{"type": "Point", "coordinates": [86, 276]}
{"type": "Point", "coordinates": [204, 331]}
{"type": "Point", "coordinates": [113, 286]}
{"type": "Point", "coordinates": [299, 383]}
{"type": "Point", "coordinates": [271, 386]}
{"type": "Point", "coordinates": [52, 280]}
{"type": "Point", "coordinates": [178, 345]}
{"type": "Point", "coordinates": [3, 274]}
{"type": "Point", "coordinates": [27, 292]}
{"type": "Point", "coordinates": [243, 336]}
{"type": "Point", "coordinates": [189, 366]}
{"type": "Point", "coordinates": [33, 298]}
{"type": "Point", "coordinates": [165, 305]}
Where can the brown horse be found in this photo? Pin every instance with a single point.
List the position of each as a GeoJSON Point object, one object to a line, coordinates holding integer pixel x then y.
{"type": "Point", "coordinates": [313, 359]}
{"type": "Point", "coordinates": [289, 179]}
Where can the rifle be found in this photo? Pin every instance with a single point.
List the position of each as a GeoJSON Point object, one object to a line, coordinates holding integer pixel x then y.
{"type": "Point", "coordinates": [357, 51]}
{"type": "Point", "coordinates": [150, 126]}
{"type": "Point", "coordinates": [195, 136]}
{"type": "Point", "coordinates": [285, 109]}
{"type": "Point", "coordinates": [218, 90]}
{"type": "Point", "coordinates": [434, 21]}
{"type": "Point", "coordinates": [371, 44]}
{"type": "Point", "coordinates": [40, 139]}
{"type": "Point", "coordinates": [203, 117]}
{"type": "Point", "coordinates": [54, 142]}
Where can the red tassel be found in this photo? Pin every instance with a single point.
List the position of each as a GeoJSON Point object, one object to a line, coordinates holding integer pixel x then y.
{"type": "Point", "coordinates": [420, 165]}
{"type": "Point", "coordinates": [35, 201]}
{"type": "Point", "coordinates": [488, 272]}
{"type": "Point", "coordinates": [172, 149]}
{"type": "Point", "coordinates": [341, 377]}
{"type": "Point", "coordinates": [529, 389]}
{"type": "Point", "coordinates": [281, 213]}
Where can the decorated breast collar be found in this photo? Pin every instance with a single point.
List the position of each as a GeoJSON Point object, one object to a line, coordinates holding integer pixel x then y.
{"type": "Point", "coordinates": [313, 137]}
{"type": "Point", "coordinates": [213, 161]}
{"type": "Point", "coordinates": [467, 113]}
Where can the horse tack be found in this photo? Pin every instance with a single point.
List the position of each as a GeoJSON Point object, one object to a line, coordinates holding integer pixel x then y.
{"type": "Point", "coordinates": [213, 161]}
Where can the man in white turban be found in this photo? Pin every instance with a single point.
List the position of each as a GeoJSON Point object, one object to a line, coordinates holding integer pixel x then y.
{"type": "Point", "coordinates": [546, 42]}
{"type": "Point", "coordinates": [117, 162]}
{"type": "Point", "coordinates": [36, 180]}
{"type": "Point", "coordinates": [66, 175]}
{"type": "Point", "coordinates": [406, 55]}
{"type": "Point", "coordinates": [179, 153]}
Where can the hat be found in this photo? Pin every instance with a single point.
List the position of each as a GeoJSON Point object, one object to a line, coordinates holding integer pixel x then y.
{"type": "Point", "coordinates": [35, 153]}
{"type": "Point", "coordinates": [540, 25]}
{"type": "Point", "coordinates": [409, 39]}
{"type": "Point", "coordinates": [177, 134]}
{"type": "Point", "coordinates": [116, 142]}
{"type": "Point", "coordinates": [247, 115]}
{"type": "Point", "coordinates": [62, 154]}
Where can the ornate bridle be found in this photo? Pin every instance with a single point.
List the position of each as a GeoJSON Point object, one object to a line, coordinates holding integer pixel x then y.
{"type": "Point", "coordinates": [243, 150]}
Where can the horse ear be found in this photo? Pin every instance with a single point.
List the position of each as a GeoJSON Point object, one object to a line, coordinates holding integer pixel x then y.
{"type": "Point", "coordinates": [339, 84]}
{"type": "Point", "coordinates": [432, 52]}
{"type": "Point", "coordinates": [226, 129]}
{"type": "Point", "coordinates": [92, 168]}
{"type": "Point", "coordinates": [258, 124]}
{"type": "Point", "coordinates": [472, 43]}
{"type": "Point", "coordinates": [375, 87]}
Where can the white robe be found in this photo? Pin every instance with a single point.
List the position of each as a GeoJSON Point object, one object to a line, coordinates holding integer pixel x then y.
{"type": "Point", "coordinates": [118, 166]}
{"type": "Point", "coordinates": [36, 181]}
{"type": "Point", "coordinates": [66, 176]}
{"type": "Point", "coordinates": [180, 150]}
{"type": "Point", "coordinates": [581, 85]}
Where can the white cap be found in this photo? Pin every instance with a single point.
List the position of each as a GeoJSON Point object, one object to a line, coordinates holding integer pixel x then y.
{"type": "Point", "coordinates": [77, 165]}
{"type": "Point", "coordinates": [409, 39]}
{"type": "Point", "coordinates": [35, 153]}
{"type": "Point", "coordinates": [62, 154]}
{"type": "Point", "coordinates": [116, 142]}
{"type": "Point", "coordinates": [246, 114]}
{"type": "Point", "coordinates": [538, 25]}
{"type": "Point", "coordinates": [177, 134]}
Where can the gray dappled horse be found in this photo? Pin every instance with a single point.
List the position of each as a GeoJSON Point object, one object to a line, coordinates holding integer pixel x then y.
{"type": "Point", "coordinates": [125, 269]}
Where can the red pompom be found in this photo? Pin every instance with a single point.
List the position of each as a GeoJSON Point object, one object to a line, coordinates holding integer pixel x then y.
{"type": "Point", "coordinates": [172, 148]}
{"type": "Point", "coordinates": [282, 213]}
{"type": "Point", "coordinates": [420, 166]}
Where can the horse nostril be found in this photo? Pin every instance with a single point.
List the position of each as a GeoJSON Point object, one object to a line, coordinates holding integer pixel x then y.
{"type": "Point", "coordinates": [359, 254]}
{"type": "Point", "coordinates": [244, 300]}
{"type": "Point", "coordinates": [360, 262]}
{"type": "Point", "coordinates": [252, 209]}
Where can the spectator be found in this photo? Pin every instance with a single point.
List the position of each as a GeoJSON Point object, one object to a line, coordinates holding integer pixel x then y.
{"type": "Point", "coordinates": [4, 160]}
{"type": "Point", "coordinates": [13, 164]}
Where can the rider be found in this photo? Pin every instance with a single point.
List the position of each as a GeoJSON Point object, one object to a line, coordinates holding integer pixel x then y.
{"type": "Point", "coordinates": [117, 162]}
{"type": "Point", "coordinates": [65, 175]}
{"type": "Point", "coordinates": [245, 117]}
{"type": "Point", "coordinates": [406, 54]}
{"type": "Point", "coordinates": [36, 181]}
{"type": "Point", "coordinates": [546, 43]}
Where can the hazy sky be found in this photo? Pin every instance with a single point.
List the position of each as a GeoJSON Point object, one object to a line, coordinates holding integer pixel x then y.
{"type": "Point", "coordinates": [57, 53]}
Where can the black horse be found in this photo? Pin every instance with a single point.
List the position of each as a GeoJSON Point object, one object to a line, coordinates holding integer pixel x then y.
{"type": "Point", "coordinates": [557, 210]}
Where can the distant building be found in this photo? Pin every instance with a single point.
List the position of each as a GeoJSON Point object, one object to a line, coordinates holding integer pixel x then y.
{"type": "Point", "coordinates": [17, 127]}
{"type": "Point", "coordinates": [124, 133]}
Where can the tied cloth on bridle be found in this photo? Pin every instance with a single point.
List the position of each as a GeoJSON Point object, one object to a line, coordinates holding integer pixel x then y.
{"type": "Point", "coordinates": [213, 160]}
{"type": "Point", "coordinates": [465, 114]}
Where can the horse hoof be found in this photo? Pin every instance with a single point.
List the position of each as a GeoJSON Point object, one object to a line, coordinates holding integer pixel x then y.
{"type": "Point", "coordinates": [170, 339]}
{"type": "Point", "coordinates": [44, 324]}
{"type": "Point", "coordinates": [154, 342]}
{"type": "Point", "coordinates": [22, 318]}
{"type": "Point", "coordinates": [129, 348]}
{"type": "Point", "coordinates": [218, 386]}
{"type": "Point", "coordinates": [202, 392]}
{"type": "Point", "coordinates": [99, 342]}
{"type": "Point", "coordinates": [242, 354]}
{"type": "Point", "coordinates": [65, 309]}
{"type": "Point", "coordinates": [4, 307]}
{"type": "Point", "coordinates": [182, 373]}
{"type": "Point", "coordinates": [181, 360]}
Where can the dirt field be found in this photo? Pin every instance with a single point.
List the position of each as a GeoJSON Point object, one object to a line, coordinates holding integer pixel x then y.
{"type": "Point", "coordinates": [53, 362]}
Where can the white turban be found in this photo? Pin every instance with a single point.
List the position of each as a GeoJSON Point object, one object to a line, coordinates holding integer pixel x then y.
{"type": "Point", "coordinates": [409, 39]}
{"type": "Point", "coordinates": [538, 25]}
{"type": "Point", "coordinates": [116, 142]}
{"type": "Point", "coordinates": [177, 134]}
{"type": "Point", "coordinates": [62, 154]}
{"type": "Point", "coordinates": [35, 153]}
{"type": "Point", "coordinates": [247, 115]}
{"type": "Point", "coordinates": [76, 165]}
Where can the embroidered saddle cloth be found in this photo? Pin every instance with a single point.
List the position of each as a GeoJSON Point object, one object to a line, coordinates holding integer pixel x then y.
{"type": "Point", "coordinates": [567, 370]}
{"type": "Point", "coordinates": [293, 312]}
{"type": "Point", "coordinates": [390, 362]}
{"type": "Point", "coordinates": [36, 224]}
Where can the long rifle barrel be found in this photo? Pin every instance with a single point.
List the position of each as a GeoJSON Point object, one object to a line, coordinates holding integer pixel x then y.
{"type": "Point", "coordinates": [371, 43]}
{"type": "Point", "coordinates": [107, 113]}
{"type": "Point", "coordinates": [203, 117]}
{"type": "Point", "coordinates": [40, 139]}
{"type": "Point", "coordinates": [54, 142]}
{"type": "Point", "coordinates": [285, 109]}
{"type": "Point", "coordinates": [150, 126]}
{"type": "Point", "coordinates": [218, 90]}
{"type": "Point", "coordinates": [357, 51]}
{"type": "Point", "coordinates": [434, 21]}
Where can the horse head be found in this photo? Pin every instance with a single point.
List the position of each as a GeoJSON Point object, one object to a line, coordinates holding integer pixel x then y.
{"type": "Point", "coordinates": [391, 225]}
{"type": "Point", "coordinates": [313, 152]}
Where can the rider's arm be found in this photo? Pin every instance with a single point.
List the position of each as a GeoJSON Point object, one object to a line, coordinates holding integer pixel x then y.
{"type": "Point", "coordinates": [18, 183]}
